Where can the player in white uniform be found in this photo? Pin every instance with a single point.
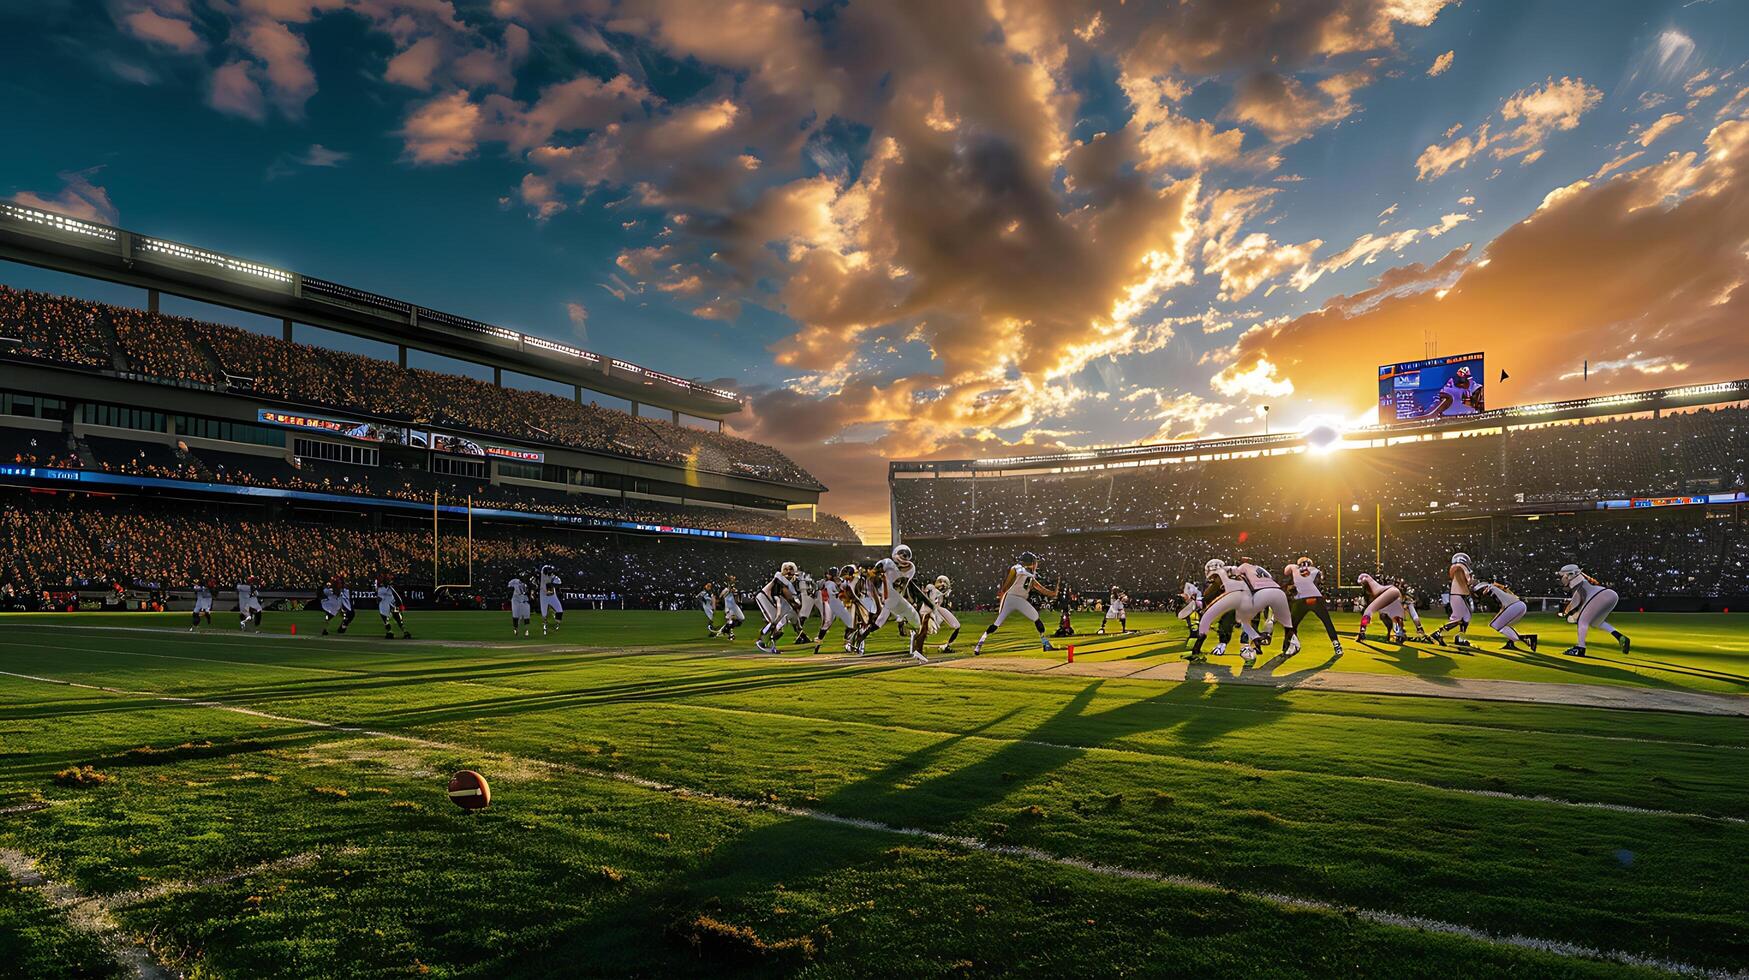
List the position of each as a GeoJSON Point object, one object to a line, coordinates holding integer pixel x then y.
{"type": "Point", "coordinates": [937, 615]}
{"type": "Point", "coordinates": [389, 608]}
{"type": "Point", "coordinates": [777, 603]}
{"type": "Point", "coordinates": [1512, 609]}
{"type": "Point", "coordinates": [249, 604]}
{"type": "Point", "coordinates": [1234, 600]}
{"type": "Point", "coordinates": [1410, 608]}
{"type": "Point", "coordinates": [519, 606]}
{"type": "Point", "coordinates": [1192, 597]}
{"type": "Point", "coordinates": [896, 573]}
{"type": "Point", "coordinates": [1589, 607]}
{"type": "Point", "coordinates": [1306, 581]}
{"type": "Point", "coordinates": [1114, 609]}
{"type": "Point", "coordinates": [1383, 600]}
{"type": "Point", "coordinates": [706, 598]}
{"type": "Point", "coordinates": [1462, 583]}
{"type": "Point", "coordinates": [832, 608]}
{"type": "Point", "coordinates": [1017, 588]}
{"type": "Point", "coordinates": [1461, 395]}
{"type": "Point", "coordinates": [1268, 596]}
{"type": "Point", "coordinates": [552, 610]}
{"type": "Point", "coordinates": [732, 615]}
{"type": "Point", "coordinates": [807, 596]}
{"type": "Point", "coordinates": [203, 603]}
{"type": "Point", "coordinates": [336, 602]}
{"type": "Point", "coordinates": [868, 599]}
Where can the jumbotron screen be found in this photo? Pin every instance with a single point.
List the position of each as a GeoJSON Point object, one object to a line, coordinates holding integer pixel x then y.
{"type": "Point", "coordinates": [1438, 387]}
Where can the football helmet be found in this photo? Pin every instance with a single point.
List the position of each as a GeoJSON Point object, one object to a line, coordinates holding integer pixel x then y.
{"type": "Point", "coordinates": [902, 554]}
{"type": "Point", "coordinates": [1213, 566]}
{"type": "Point", "coordinates": [1461, 559]}
{"type": "Point", "coordinates": [943, 583]}
{"type": "Point", "coordinates": [1028, 558]}
{"type": "Point", "coordinates": [788, 570]}
{"type": "Point", "coordinates": [1570, 575]}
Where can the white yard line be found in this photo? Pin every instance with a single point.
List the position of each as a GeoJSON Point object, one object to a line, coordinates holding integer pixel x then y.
{"type": "Point", "coordinates": [1512, 941]}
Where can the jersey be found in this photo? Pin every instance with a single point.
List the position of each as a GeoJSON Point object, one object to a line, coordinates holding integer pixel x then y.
{"type": "Point", "coordinates": [728, 597]}
{"type": "Point", "coordinates": [895, 577]}
{"type": "Point", "coordinates": [1023, 579]}
{"type": "Point", "coordinates": [779, 587]}
{"type": "Point", "coordinates": [1374, 588]}
{"type": "Point", "coordinates": [1305, 582]}
{"type": "Point", "coordinates": [1461, 580]}
{"type": "Point", "coordinates": [386, 594]}
{"type": "Point", "coordinates": [549, 583]}
{"type": "Point", "coordinates": [1190, 593]}
{"type": "Point", "coordinates": [705, 597]}
{"type": "Point", "coordinates": [518, 590]}
{"type": "Point", "coordinates": [246, 596]}
{"type": "Point", "coordinates": [1257, 577]}
{"type": "Point", "coordinates": [1233, 581]}
{"type": "Point", "coordinates": [203, 594]}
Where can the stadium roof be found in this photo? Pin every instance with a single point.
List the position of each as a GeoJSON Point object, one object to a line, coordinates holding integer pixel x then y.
{"type": "Point", "coordinates": [39, 237]}
{"type": "Point", "coordinates": [1637, 401]}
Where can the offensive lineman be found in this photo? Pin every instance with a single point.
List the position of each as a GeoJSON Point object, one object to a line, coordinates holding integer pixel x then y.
{"type": "Point", "coordinates": [519, 610]}
{"type": "Point", "coordinates": [1267, 596]}
{"type": "Point", "coordinates": [1308, 597]}
{"type": "Point", "coordinates": [1512, 609]}
{"type": "Point", "coordinates": [1590, 606]}
{"type": "Point", "coordinates": [389, 605]}
{"type": "Point", "coordinates": [1017, 587]}
{"type": "Point", "coordinates": [550, 605]}
{"type": "Point", "coordinates": [1234, 599]}
{"type": "Point", "coordinates": [1384, 601]}
{"type": "Point", "coordinates": [1462, 583]}
{"type": "Point", "coordinates": [1114, 609]}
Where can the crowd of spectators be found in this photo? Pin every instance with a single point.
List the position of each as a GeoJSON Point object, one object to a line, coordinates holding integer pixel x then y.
{"type": "Point", "coordinates": [1697, 452]}
{"type": "Point", "coordinates": [180, 350]}
{"type": "Point", "coordinates": [98, 543]}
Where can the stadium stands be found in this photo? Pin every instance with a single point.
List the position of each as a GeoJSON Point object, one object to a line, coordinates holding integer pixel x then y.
{"type": "Point", "coordinates": [95, 543]}
{"type": "Point", "coordinates": [1703, 451]}
{"type": "Point", "coordinates": [178, 350]}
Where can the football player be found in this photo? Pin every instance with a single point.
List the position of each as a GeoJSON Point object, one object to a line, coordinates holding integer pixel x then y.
{"type": "Point", "coordinates": [203, 603]}
{"type": "Point", "coordinates": [1232, 598]}
{"type": "Point", "coordinates": [390, 606]}
{"type": "Point", "coordinates": [1462, 395]}
{"type": "Point", "coordinates": [1267, 596]}
{"type": "Point", "coordinates": [1114, 609]}
{"type": "Point", "coordinates": [335, 602]}
{"type": "Point", "coordinates": [938, 615]}
{"type": "Point", "coordinates": [1308, 597]}
{"type": "Point", "coordinates": [1512, 609]}
{"type": "Point", "coordinates": [707, 601]}
{"type": "Point", "coordinates": [1192, 596]}
{"type": "Point", "coordinates": [1017, 588]}
{"type": "Point", "coordinates": [732, 615]}
{"type": "Point", "coordinates": [778, 604]}
{"type": "Point", "coordinates": [249, 604]}
{"type": "Point", "coordinates": [1383, 600]}
{"type": "Point", "coordinates": [519, 608]}
{"type": "Point", "coordinates": [1589, 607]}
{"type": "Point", "coordinates": [552, 609]}
{"type": "Point", "coordinates": [1463, 582]}
{"type": "Point", "coordinates": [896, 573]}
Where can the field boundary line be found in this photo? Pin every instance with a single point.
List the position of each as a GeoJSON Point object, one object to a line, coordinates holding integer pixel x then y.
{"type": "Point", "coordinates": [1557, 947]}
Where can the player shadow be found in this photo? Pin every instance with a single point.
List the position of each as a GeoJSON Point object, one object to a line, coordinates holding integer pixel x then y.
{"type": "Point", "coordinates": [1429, 665]}
{"type": "Point", "coordinates": [1585, 667]}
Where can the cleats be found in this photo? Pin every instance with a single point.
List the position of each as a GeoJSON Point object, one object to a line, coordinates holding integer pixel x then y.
{"type": "Point", "coordinates": [1248, 654]}
{"type": "Point", "coordinates": [1220, 650]}
{"type": "Point", "coordinates": [1530, 638]}
{"type": "Point", "coordinates": [1573, 652]}
{"type": "Point", "coordinates": [1336, 647]}
{"type": "Point", "coordinates": [1439, 637]}
{"type": "Point", "coordinates": [1422, 637]}
{"type": "Point", "coordinates": [918, 656]}
{"type": "Point", "coordinates": [977, 649]}
{"type": "Point", "coordinates": [946, 648]}
{"type": "Point", "coordinates": [1625, 643]}
{"type": "Point", "coordinates": [1360, 635]}
{"type": "Point", "coordinates": [1045, 644]}
{"type": "Point", "coordinates": [1509, 646]}
{"type": "Point", "coordinates": [761, 647]}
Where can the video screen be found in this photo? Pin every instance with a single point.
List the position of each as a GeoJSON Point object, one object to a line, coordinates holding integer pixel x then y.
{"type": "Point", "coordinates": [1439, 387]}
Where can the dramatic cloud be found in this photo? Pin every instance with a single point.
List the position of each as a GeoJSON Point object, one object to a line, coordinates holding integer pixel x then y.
{"type": "Point", "coordinates": [1664, 124]}
{"type": "Point", "coordinates": [1527, 119]}
{"type": "Point", "coordinates": [1642, 275]}
{"type": "Point", "coordinates": [78, 197]}
{"type": "Point", "coordinates": [1287, 111]}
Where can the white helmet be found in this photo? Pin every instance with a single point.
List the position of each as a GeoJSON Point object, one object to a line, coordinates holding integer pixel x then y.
{"type": "Point", "coordinates": [788, 570]}
{"type": "Point", "coordinates": [1570, 575]}
{"type": "Point", "coordinates": [1304, 562]}
{"type": "Point", "coordinates": [1461, 559]}
{"type": "Point", "coordinates": [902, 553]}
{"type": "Point", "coordinates": [1213, 566]}
{"type": "Point", "coordinates": [1364, 577]}
{"type": "Point", "coordinates": [943, 583]}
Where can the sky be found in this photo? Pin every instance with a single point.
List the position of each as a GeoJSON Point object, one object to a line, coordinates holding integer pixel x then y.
{"type": "Point", "coordinates": [947, 228]}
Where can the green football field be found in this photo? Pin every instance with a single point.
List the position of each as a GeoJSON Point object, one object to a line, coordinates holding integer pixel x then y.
{"type": "Point", "coordinates": [664, 804]}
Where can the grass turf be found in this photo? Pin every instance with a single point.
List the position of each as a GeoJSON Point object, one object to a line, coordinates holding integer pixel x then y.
{"type": "Point", "coordinates": [1610, 829]}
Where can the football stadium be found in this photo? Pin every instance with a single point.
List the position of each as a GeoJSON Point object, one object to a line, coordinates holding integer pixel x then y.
{"type": "Point", "coordinates": [890, 574]}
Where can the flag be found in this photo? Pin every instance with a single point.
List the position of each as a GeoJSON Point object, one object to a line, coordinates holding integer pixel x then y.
{"type": "Point", "coordinates": [1504, 375]}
